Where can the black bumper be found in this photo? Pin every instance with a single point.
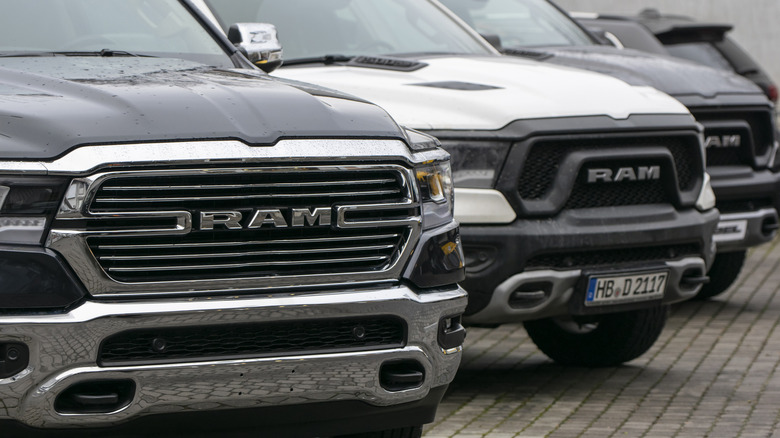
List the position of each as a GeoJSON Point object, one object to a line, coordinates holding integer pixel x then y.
{"type": "Point", "coordinates": [749, 202]}
{"type": "Point", "coordinates": [598, 238]}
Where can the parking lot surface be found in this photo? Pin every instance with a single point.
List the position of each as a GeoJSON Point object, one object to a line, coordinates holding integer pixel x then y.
{"type": "Point", "coordinates": [712, 373]}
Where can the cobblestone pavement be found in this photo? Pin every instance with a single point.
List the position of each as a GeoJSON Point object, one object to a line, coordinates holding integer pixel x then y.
{"type": "Point", "coordinates": [712, 373]}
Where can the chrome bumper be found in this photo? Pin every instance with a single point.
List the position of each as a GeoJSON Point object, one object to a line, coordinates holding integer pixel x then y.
{"type": "Point", "coordinates": [63, 351]}
{"type": "Point", "coordinates": [557, 302]}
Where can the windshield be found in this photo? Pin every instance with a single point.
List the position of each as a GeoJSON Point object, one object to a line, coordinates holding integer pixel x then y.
{"type": "Point", "coordinates": [520, 23]}
{"type": "Point", "coordinates": [315, 28]}
{"type": "Point", "coordinates": [140, 27]}
{"type": "Point", "coordinates": [701, 52]}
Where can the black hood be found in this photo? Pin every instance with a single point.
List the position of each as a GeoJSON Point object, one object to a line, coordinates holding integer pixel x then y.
{"type": "Point", "coordinates": [673, 76]}
{"type": "Point", "coordinates": [49, 105]}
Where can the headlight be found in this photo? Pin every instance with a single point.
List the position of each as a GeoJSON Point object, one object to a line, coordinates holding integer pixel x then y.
{"type": "Point", "coordinates": [32, 277]}
{"type": "Point", "coordinates": [706, 199]}
{"type": "Point", "coordinates": [27, 206]}
{"type": "Point", "coordinates": [774, 159]}
{"type": "Point", "coordinates": [476, 164]}
{"type": "Point", "coordinates": [435, 183]}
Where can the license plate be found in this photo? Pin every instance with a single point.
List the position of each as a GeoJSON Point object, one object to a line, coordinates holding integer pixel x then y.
{"type": "Point", "coordinates": [615, 289]}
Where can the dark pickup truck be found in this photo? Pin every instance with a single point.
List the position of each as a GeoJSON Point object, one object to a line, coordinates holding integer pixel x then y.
{"type": "Point", "coordinates": [191, 248]}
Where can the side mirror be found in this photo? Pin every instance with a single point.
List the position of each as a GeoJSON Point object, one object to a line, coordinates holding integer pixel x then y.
{"type": "Point", "coordinates": [605, 38]}
{"type": "Point", "coordinates": [493, 39]}
{"type": "Point", "coordinates": [259, 43]}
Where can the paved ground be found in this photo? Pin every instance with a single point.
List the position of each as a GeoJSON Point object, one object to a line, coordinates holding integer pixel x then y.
{"type": "Point", "coordinates": [713, 373]}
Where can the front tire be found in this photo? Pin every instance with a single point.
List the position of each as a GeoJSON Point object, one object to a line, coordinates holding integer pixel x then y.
{"type": "Point", "coordinates": [723, 273]}
{"type": "Point", "coordinates": [608, 341]}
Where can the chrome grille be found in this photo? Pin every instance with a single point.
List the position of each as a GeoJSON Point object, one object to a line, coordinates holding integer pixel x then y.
{"type": "Point", "coordinates": [237, 188]}
{"type": "Point", "coordinates": [151, 231]}
{"type": "Point", "coordinates": [256, 253]}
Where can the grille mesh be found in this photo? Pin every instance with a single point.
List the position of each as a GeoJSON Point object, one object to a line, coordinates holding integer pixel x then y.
{"type": "Point", "coordinates": [242, 252]}
{"type": "Point", "coordinates": [625, 193]}
{"type": "Point", "coordinates": [545, 157]}
{"type": "Point", "coordinates": [170, 345]}
{"type": "Point", "coordinates": [611, 257]}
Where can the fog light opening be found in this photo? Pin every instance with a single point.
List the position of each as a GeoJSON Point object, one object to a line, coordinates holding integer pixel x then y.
{"type": "Point", "coordinates": [769, 226]}
{"type": "Point", "coordinates": [693, 278]}
{"type": "Point", "coordinates": [530, 295]}
{"type": "Point", "coordinates": [401, 375]}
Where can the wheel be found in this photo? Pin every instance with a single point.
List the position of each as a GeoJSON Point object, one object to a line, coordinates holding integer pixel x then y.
{"type": "Point", "coordinates": [724, 271]}
{"type": "Point", "coordinates": [608, 340]}
{"type": "Point", "coordinates": [403, 432]}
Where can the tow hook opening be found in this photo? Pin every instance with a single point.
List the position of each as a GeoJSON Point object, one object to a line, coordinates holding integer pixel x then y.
{"type": "Point", "coordinates": [692, 278]}
{"type": "Point", "coordinates": [530, 294]}
{"type": "Point", "coordinates": [401, 375]}
{"type": "Point", "coordinates": [96, 397]}
{"type": "Point", "coordinates": [451, 333]}
{"type": "Point", "coordinates": [769, 226]}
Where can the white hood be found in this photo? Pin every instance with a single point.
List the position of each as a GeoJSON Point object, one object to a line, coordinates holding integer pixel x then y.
{"type": "Point", "coordinates": [508, 89]}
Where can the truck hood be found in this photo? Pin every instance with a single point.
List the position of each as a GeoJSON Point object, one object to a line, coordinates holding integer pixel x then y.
{"type": "Point", "coordinates": [486, 92]}
{"type": "Point", "coordinates": [673, 76]}
{"type": "Point", "coordinates": [49, 105]}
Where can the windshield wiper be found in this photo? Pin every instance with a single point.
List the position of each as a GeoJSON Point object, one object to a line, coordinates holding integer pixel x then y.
{"type": "Point", "coordinates": [325, 59]}
{"type": "Point", "coordinates": [103, 53]}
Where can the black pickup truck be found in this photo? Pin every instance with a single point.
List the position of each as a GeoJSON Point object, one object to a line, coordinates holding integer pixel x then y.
{"type": "Point", "coordinates": [189, 247]}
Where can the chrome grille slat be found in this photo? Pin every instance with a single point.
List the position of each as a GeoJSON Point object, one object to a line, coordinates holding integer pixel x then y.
{"type": "Point", "coordinates": [248, 264]}
{"type": "Point", "coordinates": [238, 186]}
{"type": "Point", "coordinates": [369, 237]}
{"type": "Point", "coordinates": [246, 253]}
{"type": "Point", "coordinates": [272, 196]}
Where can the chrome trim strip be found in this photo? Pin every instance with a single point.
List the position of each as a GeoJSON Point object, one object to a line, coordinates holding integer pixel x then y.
{"type": "Point", "coordinates": [239, 186]}
{"type": "Point", "coordinates": [254, 242]}
{"type": "Point", "coordinates": [246, 264]}
{"type": "Point", "coordinates": [232, 198]}
{"type": "Point", "coordinates": [758, 214]}
{"type": "Point", "coordinates": [85, 159]}
{"type": "Point", "coordinates": [246, 254]}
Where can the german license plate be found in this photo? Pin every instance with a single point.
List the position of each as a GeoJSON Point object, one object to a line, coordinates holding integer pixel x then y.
{"type": "Point", "coordinates": [615, 289]}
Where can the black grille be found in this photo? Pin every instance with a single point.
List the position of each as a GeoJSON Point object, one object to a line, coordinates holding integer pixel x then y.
{"type": "Point", "coordinates": [723, 122]}
{"type": "Point", "coordinates": [611, 257]}
{"type": "Point", "coordinates": [743, 205]}
{"type": "Point", "coordinates": [616, 194]}
{"type": "Point", "coordinates": [545, 157]}
{"type": "Point", "coordinates": [241, 341]}
{"type": "Point", "coordinates": [724, 157]}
